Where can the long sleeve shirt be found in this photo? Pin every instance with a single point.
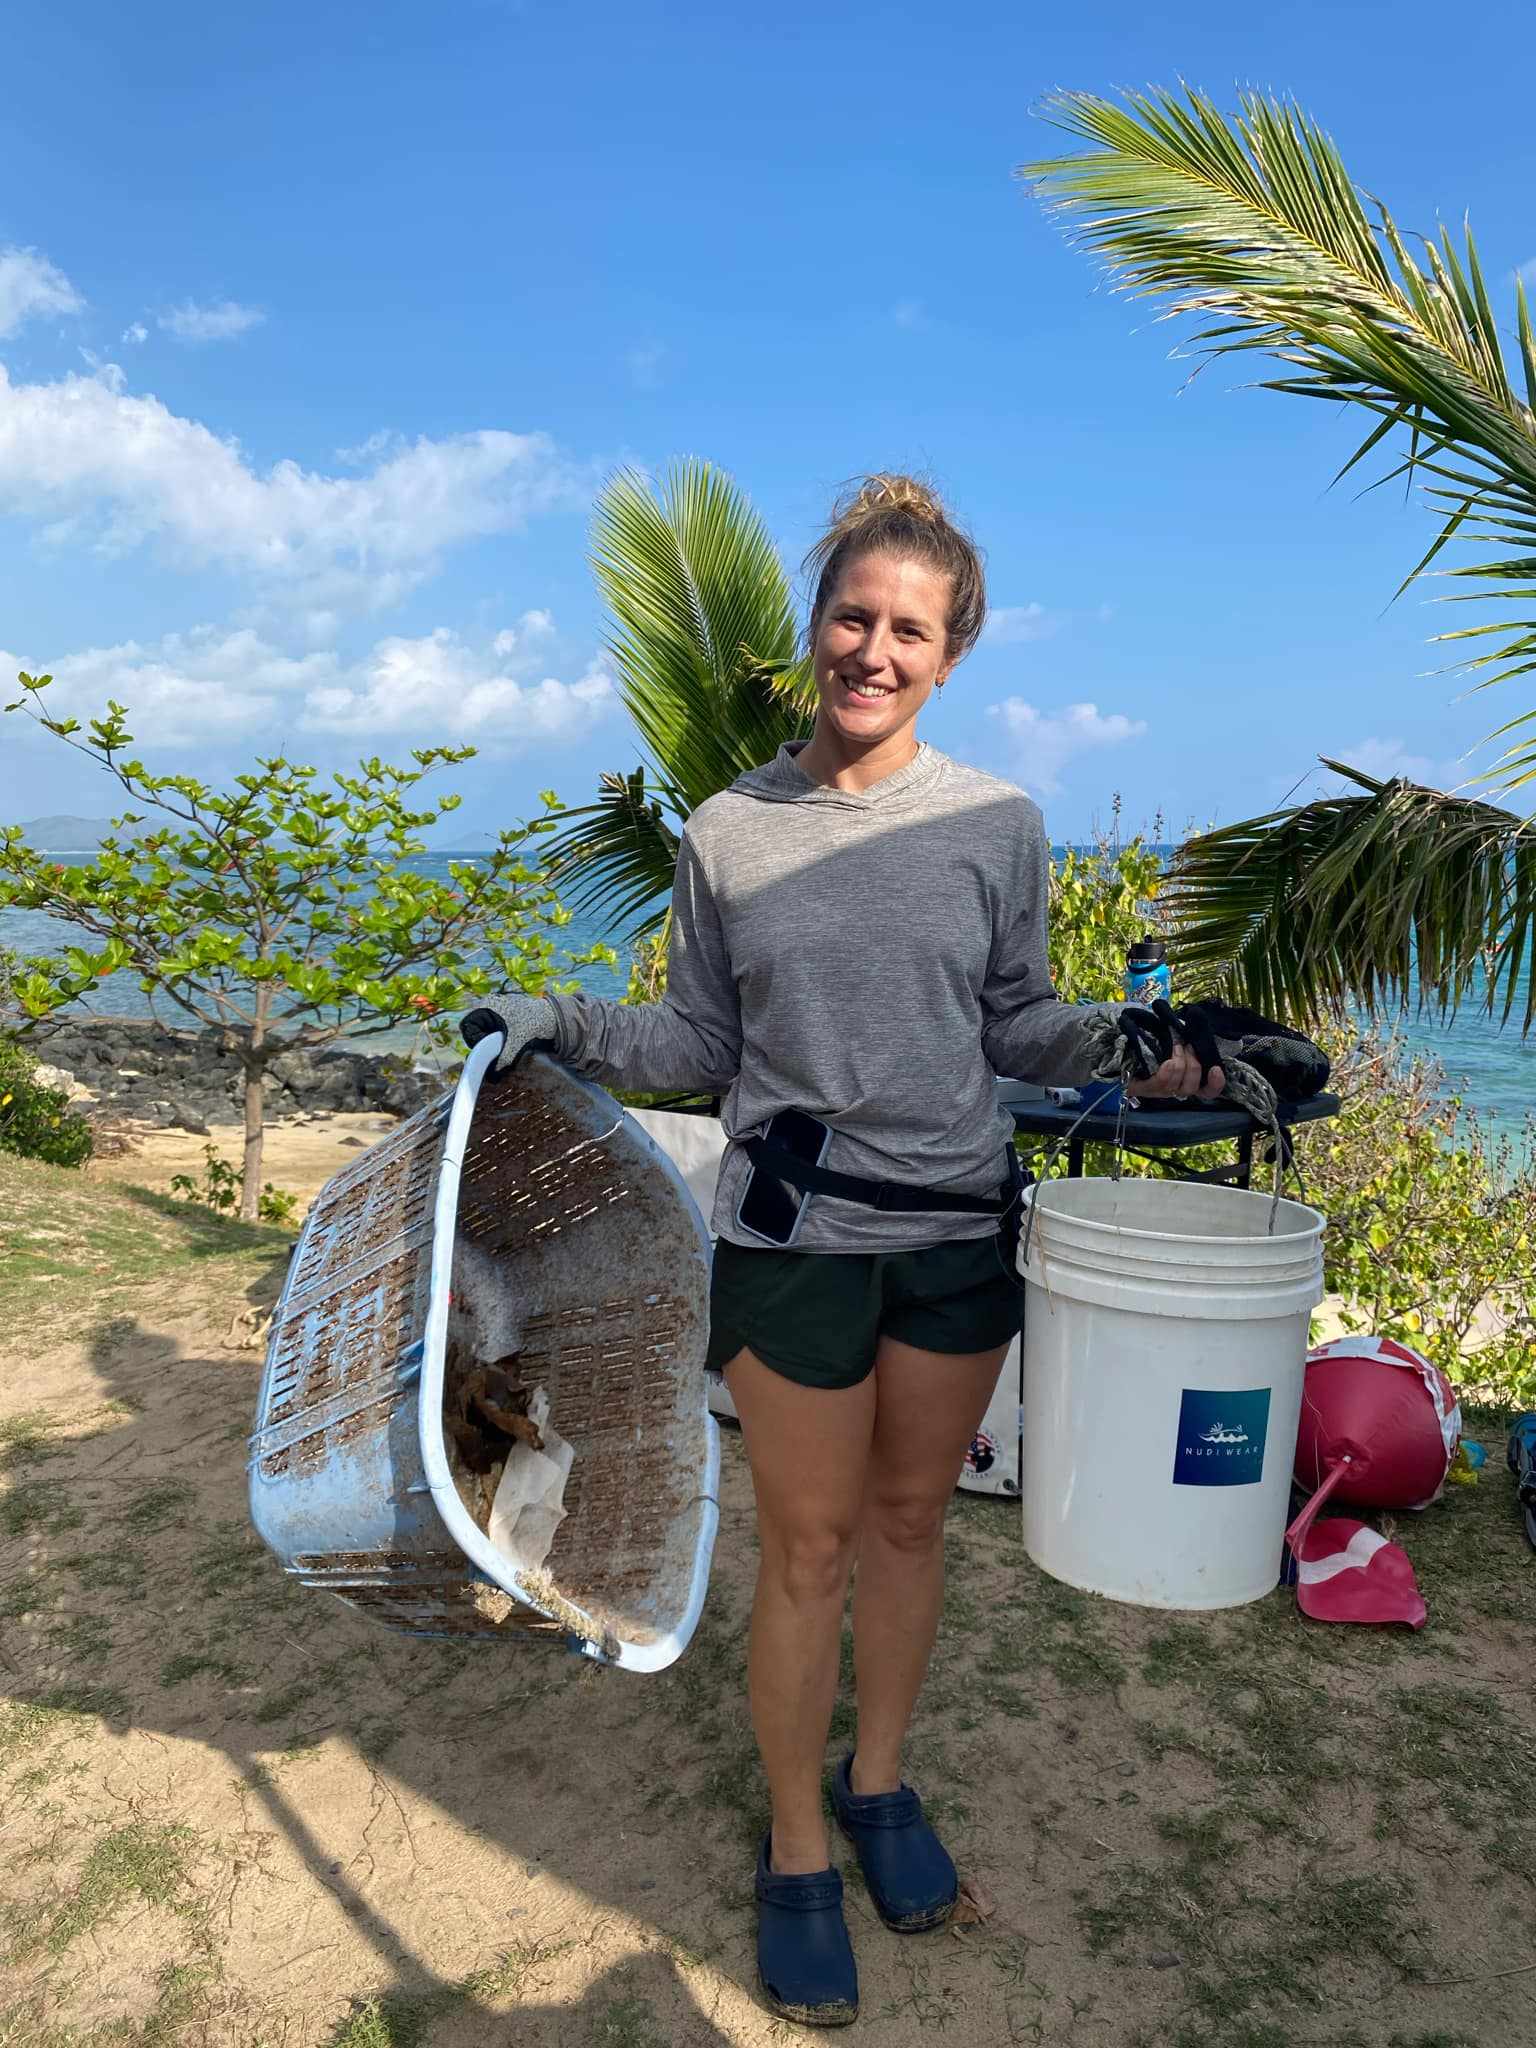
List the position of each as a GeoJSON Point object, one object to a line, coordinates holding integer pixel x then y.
{"type": "Point", "coordinates": [873, 957]}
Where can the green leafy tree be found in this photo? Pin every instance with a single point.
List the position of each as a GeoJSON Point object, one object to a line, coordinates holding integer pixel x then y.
{"type": "Point", "coordinates": [282, 913]}
{"type": "Point", "coordinates": [36, 1121]}
{"type": "Point", "coordinates": [704, 644]}
{"type": "Point", "coordinates": [1252, 226]}
{"type": "Point", "coordinates": [1102, 901]}
{"type": "Point", "coordinates": [1431, 1219]}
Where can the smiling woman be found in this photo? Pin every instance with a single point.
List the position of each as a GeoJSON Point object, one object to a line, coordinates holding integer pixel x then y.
{"type": "Point", "coordinates": [857, 950]}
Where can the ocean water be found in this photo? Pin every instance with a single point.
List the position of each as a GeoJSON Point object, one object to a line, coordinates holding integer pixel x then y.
{"type": "Point", "coordinates": [1489, 1065]}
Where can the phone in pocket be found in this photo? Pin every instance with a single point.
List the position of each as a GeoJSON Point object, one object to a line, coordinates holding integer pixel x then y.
{"type": "Point", "coordinates": [771, 1208]}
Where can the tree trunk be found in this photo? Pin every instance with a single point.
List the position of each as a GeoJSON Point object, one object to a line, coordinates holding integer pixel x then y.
{"type": "Point", "coordinates": [253, 1062]}
{"type": "Point", "coordinates": [250, 1188]}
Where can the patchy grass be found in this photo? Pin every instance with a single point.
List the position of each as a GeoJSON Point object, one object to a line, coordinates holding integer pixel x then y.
{"type": "Point", "coordinates": [403, 2020]}
{"type": "Point", "coordinates": [393, 2022]}
{"type": "Point", "coordinates": [115, 1571]}
{"type": "Point", "coordinates": [190, 1664]}
{"type": "Point", "coordinates": [137, 1861]}
{"type": "Point", "coordinates": [26, 1440]}
{"type": "Point", "coordinates": [161, 1505]}
{"type": "Point", "coordinates": [630, 2022]}
{"type": "Point", "coordinates": [95, 1249]}
{"type": "Point", "coordinates": [63, 1709]}
{"type": "Point", "coordinates": [82, 1638]}
{"type": "Point", "coordinates": [39, 1507]}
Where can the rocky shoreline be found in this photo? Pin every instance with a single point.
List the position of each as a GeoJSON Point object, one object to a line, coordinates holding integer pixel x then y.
{"type": "Point", "coordinates": [129, 1069]}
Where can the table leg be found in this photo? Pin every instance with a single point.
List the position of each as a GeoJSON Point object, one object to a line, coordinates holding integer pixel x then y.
{"type": "Point", "coordinates": [1245, 1160]}
{"type": "Point", "coordinates": [1075, 1158]}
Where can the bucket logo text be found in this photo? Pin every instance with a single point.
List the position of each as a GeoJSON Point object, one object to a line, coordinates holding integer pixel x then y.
{"type": "Point", "coordinates": [1221, 1437]}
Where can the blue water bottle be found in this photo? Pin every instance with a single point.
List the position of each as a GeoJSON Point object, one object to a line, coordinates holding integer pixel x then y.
{"type": "Point", "coordinates": [1146, 972]}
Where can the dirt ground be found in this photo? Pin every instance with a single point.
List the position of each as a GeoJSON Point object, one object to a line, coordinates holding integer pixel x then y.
{"type": "Point", "coordinates": [234, 1814]}
{"type": "Point", "coordinates": [299, 1156]}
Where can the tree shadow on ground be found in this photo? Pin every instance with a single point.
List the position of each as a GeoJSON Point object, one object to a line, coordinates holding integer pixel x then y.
{"type": "Point", "coordinates": [443, 1814]}
{"type": "Point", "coordinates": [207, 1233]}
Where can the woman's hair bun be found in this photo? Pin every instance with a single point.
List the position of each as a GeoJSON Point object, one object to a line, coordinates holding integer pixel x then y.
{"type": "Point", "coordinates": [888, 493]}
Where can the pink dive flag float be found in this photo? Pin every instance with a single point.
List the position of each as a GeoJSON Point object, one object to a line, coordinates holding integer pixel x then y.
{"type": "Point", "coordinates": [1348, 1572]}
{"type": "Point", "coordinates": [1379, 1428]}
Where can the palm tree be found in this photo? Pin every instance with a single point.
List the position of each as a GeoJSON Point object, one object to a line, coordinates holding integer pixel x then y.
{"type": "Point", "coordinates": [1253, 226]}
{"type": "Point", "coordinates": [704, 643]}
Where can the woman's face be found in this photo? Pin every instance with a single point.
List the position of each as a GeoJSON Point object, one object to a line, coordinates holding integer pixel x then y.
{"type": "Point", "coordinates": [880, 647]}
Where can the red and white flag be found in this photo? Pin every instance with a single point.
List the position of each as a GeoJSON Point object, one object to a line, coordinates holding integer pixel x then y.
{"type": "Point", "coordinates": [1348, 1572]}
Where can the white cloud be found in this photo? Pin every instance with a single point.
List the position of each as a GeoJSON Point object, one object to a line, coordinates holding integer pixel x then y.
{"type": "Point", "coordinates": [110, 374]}
{"type": "Point", "coordinates": [387, 441]}
{"type": "Point", "coordinates": [136, 332]}
{"type": "Point", "coordinates": [122, 470]}
{"type": "Point", "coordinates": [1382, 758]}
{"type": "Point", "coordinates": [1010, 625]}
{"type": "Point", "coordinates": [214, 322]}
{"type": "Point", "coordinates": [1044, 741]}
{"type": "Point", "coordinates": [440, 687]}
{"type": "Point", "coordinates": [187, 688]}
{"type": "Point", "coordinates": [214, 684]}
{"type": "Point", "coordinates": [30, 288]}
{"type": "Point", "coordinates": [531, 626]}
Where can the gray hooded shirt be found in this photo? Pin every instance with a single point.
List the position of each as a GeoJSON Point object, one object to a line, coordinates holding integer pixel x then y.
{"type": "Point", "coordinates": [874, 957]}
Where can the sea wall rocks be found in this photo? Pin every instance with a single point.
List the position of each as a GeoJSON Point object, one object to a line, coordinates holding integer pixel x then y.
{"type": "Point", "coordinates": [129, 1068]}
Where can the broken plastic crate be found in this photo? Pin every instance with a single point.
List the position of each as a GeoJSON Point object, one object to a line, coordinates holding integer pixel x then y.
{"type": "Point", "coordinates": [605, 1260]}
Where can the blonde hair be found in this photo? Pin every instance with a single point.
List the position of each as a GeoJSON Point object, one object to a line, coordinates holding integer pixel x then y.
{"type": "Point", "coordinates": [901, 516]}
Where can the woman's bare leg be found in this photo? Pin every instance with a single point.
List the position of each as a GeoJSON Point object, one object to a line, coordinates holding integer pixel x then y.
{"type": "Point", "coordinates": [928, 1406]}
{"type": "Point", "coordinates": [808, 1448]}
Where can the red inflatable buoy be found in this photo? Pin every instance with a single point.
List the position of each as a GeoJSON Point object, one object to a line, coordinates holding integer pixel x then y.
{"type": "Point", "coordinates": [1379, 1420]}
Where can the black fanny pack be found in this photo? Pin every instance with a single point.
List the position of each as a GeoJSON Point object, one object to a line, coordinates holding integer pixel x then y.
{"type": "Point", "coordinates": [787, 1170]}
{"type": "Point", "coordinates": [887, 1195]}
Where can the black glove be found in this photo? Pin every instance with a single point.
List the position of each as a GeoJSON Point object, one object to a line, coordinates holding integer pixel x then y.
{"type": "Point", "coordinates": [1151, 1035]}
{"type": "Point", "coordinates": [478, 1024]}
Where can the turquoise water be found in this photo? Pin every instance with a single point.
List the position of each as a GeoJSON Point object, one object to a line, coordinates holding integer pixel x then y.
{"type": "Point", "coordinates": [1490, 1066]}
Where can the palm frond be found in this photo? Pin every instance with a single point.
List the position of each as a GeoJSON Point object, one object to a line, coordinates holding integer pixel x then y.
{"type": "Point", "coordinates": [1367, 897]}
{"type": "Point", "coordinates": [704, 625]}
{"type": "Point", "coordinates": [618, 852]}
{"type": "Point", "coordinates": [1253, 226]}
{"type": "Point", "coordinates": [704, 643]}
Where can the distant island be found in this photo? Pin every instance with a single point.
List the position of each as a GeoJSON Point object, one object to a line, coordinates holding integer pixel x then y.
{"type": "Point", "coordinates": [66, 834]}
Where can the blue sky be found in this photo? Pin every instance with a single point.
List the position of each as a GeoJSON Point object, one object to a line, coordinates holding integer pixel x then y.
{"type": "Point", "coordinates": [321, 325]}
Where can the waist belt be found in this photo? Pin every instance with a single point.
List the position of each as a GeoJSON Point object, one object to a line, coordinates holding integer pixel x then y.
{"type": "Point", "coordinates": [887, 1195]}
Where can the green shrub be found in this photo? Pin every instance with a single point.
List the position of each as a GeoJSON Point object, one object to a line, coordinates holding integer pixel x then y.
{"type": "Point", "coordinates": [221, 1187]}
{"type": "Point", "coordinates": [37, 1121]}
{"type": "Point", "coordinates": [648, 966]}
{"type": "Point", "coordinates": [1431, 1220]}
{"type": "Point", "coordinates": [1102, 901]}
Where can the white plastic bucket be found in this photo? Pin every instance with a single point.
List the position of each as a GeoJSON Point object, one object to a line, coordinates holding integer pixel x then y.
{"type": "Point", "coordinates": [1165, 1341]}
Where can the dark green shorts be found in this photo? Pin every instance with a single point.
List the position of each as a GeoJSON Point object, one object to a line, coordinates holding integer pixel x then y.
{"type": "Point", "coordinates": [816, 1316]}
